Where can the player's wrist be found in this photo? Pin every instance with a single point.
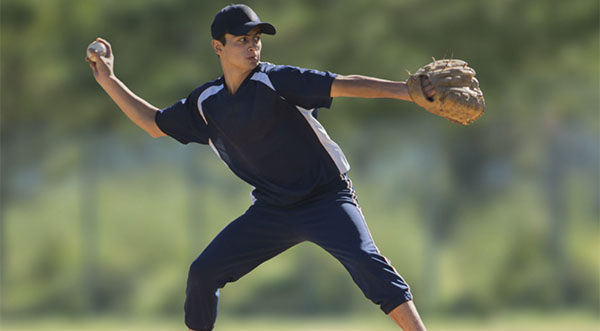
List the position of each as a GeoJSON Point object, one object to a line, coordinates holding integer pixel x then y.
{"type": "Point", "coordinates": [402, 92]}
{"type": "Point", "coordinates": [109, 82]}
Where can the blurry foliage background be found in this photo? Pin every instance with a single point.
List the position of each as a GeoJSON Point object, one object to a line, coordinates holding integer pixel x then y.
{"type": "Point", "coordinates": [98, 218]}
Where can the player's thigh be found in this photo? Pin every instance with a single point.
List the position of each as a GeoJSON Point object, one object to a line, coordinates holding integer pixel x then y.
{"type": "Point", "coordinates": [242, 245]}
{"type": "Point", "coordinates": [343, 232]}
{"type": "Point", "coordinates": [340, 228]}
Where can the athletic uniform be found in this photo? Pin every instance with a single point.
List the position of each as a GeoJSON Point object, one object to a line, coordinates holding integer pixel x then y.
{"type": "Point", "coordinates": [269, 136]}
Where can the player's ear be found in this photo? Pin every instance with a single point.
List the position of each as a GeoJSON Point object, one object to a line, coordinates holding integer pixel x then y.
{"type": "Point", "coordinates": [217, 46]}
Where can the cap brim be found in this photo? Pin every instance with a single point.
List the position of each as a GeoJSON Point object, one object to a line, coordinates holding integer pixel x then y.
{"type": "Point", "coordinates": [243, 29]}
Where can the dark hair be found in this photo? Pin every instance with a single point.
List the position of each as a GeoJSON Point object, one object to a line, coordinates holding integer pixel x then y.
{"type": "Point", "coordinates": [222, 39]}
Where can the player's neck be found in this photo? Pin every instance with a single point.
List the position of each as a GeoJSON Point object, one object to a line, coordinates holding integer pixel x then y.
{"type": "Point", "coordinates": [234, 77]}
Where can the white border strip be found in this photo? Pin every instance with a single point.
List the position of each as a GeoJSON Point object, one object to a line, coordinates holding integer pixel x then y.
{"type": "Point", "coordinates": [205, 95]}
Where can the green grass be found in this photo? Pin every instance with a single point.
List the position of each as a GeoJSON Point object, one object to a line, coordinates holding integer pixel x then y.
{"type": "Point", "coordinates": [525, 322]}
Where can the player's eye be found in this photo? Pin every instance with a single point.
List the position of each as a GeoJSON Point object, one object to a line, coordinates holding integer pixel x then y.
{"type": "Point", "coordinates": [243, 39]}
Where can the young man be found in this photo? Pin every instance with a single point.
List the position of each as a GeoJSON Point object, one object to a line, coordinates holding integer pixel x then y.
{"type": "Point", "coordinates": [260, 119]}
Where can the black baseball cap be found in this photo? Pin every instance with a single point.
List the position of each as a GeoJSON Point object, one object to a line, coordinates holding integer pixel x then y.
{"type": "Point", "coordinates": [238, 20]}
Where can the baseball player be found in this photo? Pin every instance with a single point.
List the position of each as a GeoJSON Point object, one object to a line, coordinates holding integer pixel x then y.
{"type": "Point", "coordinates": [261, 120]}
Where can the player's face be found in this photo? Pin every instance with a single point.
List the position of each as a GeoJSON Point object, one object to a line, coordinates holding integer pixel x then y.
{"type": "Point", "coordinates": [242, 52]}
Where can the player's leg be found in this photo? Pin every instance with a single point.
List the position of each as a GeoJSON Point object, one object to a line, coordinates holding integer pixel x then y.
{"type": "Point", "coordinates": [407, 317]}
{"type": "Point", "coordinates": [338, 226]}
{"type": "Point", "coordinates": [245, 243]}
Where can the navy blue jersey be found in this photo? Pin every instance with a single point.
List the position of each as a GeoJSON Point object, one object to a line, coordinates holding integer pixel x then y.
{"type": "Point", "coordinates": [267, 132]}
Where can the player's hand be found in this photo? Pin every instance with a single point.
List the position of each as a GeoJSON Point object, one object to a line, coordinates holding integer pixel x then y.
{"type": "Point", "coordinates": [102, 66]}
{"type": "Point", "coordinates": [427, 86]}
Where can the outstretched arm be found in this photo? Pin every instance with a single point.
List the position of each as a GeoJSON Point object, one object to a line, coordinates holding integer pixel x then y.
{"type": "Point", "coordinates": [368, 87]}
{"type": "Point", "coordinates": [137, 109]}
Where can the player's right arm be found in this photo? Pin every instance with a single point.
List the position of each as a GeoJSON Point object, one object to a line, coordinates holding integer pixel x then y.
{"type": "Point", "coordinates": [141, 112]}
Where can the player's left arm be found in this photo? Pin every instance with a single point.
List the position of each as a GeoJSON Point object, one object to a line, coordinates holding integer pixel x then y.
{"type": "Point", "coordinates": [358, 86]}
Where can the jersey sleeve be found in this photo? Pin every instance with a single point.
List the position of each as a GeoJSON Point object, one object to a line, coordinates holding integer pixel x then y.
{"type": "Point", "coordinates": [306, 88]}
{"type": "Point", "coordinates": [183, 122]}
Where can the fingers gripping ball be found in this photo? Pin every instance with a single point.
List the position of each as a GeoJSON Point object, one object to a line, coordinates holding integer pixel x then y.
{"type": "Point", "coordinates": [97, 47]}
{"type": "Point", "coordinates": [457, 94]}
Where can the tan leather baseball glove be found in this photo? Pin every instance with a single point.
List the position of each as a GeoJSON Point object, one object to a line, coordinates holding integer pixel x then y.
{"type": "Point", "coordinates": [457, 94]}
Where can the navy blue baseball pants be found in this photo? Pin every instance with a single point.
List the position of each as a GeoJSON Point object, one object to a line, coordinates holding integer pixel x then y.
{"type": "Point", "coordinates": [331, 219]}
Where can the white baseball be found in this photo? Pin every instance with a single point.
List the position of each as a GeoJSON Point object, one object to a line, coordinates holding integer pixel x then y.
{"type": "Point", "coordinates": [97, 47]}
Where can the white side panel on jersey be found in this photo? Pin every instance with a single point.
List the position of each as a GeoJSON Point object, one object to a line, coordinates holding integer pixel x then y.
{"type": "Point", "coordinates": [205, 95]}
{"type": "Point", "coordinates": [330, 146]}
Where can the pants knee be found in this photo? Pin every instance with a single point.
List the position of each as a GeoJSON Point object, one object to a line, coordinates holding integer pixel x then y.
{"type": "Point", "coordinates": [378, 280]}
{"type": "Point", "coordinates": [201, 275]}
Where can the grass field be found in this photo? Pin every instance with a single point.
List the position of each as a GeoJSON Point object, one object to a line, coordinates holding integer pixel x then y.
{"type": "Point", "coordinates": [551, 322]}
